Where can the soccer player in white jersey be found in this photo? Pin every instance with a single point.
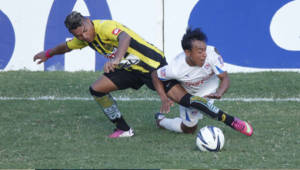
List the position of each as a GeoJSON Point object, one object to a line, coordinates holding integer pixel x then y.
{"type": "Point", "coordinates": [200, 71]}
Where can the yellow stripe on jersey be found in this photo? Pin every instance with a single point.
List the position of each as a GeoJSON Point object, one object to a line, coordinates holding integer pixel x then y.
{"type": "Point", "coordinates": [106, 40]}
{"type": "Point", "coordinates": [137, 49]}
{"type": "Point", "coordinates": [139, 68]}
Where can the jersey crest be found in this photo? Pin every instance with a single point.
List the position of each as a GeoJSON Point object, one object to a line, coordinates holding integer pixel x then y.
{"type": "Point", "coordinates": [116, 31]}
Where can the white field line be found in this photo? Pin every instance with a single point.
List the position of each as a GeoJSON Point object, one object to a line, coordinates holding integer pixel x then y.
{"type": "Point", "coordinates": [145, 99]}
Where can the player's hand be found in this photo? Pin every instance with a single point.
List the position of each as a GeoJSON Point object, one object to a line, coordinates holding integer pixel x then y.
{"type": "Point", "coordinates": [214, 96]}
{"type": "Point", "coordinates": [165, 105]}
{"type": "Point", "coordinates": [111, 65]}
{"type": "Point", "coordinates": [41, 57]}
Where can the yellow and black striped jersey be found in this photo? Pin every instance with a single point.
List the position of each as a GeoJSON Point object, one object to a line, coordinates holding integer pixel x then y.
{"type": "Point", "coordinates": [141, 55]}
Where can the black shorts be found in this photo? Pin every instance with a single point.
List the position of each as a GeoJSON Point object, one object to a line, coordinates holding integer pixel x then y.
{"type": "Point", "coordinates": [124, 79]}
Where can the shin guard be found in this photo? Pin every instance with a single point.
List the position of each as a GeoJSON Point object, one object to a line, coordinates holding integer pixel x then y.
{"type": "Point", "coordinates": [201, 104]}
{"type": "Point", "coordinates": [210, 109]}
{"type": "Point", "coordinates": [109, 106]}
{"type": "Point", "coordinates": [107, 103]}
{"type": "Point", "coordinates": [204, 105]}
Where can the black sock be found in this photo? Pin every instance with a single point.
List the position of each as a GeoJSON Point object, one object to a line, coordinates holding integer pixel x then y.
{"type": "Point", "coordinates": [219, 115]}
{"type": "Point", "coordinates": [226, 118]}
{"type": "Point", "coordinates": [121, 124]}
{"type": "Point", "coordinates": [185, 100]}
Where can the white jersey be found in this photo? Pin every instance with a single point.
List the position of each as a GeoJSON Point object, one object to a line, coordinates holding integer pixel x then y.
{"type": "Point", "coordinates": [196, 80]}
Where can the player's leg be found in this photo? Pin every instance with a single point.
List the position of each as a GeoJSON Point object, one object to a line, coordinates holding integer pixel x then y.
{"type": "Point", "coordinates": [190, 118]}
{"type": "Point", "coordinates": [186, 123]}
{"type": "Point", "coordinates": [100, 90]}
{"type": "Point", "coordinates": [172, 124]}
{"type": "Point", "coordinates": [216, 113]}
{"type": "Point", "coordinates": [179, 95]}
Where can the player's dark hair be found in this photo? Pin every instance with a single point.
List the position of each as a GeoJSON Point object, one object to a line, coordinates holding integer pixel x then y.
{"type": "Point", "coordinates": [74, 20]}
{"type": "Point", "coordinates": [190, 36]}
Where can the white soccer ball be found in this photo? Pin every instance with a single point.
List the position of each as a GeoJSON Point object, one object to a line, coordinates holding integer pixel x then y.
{"type": "Point", "coordinates": [210, 138]}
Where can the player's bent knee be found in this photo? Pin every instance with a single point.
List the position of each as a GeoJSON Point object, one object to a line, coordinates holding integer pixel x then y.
{"type": "Point", "coordinates": [96, 93]}
{"type": "Point", "coordinates": [187, 129]}
{"type": "Point", "coordinates": [176, 93]}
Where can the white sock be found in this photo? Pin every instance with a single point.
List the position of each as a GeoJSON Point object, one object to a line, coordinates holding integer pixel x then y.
{"type": "Point", "coordinates": [172, 124]}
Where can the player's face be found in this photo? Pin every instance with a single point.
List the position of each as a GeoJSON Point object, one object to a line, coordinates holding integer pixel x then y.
{"type": "Point", "coordinates": [197, 54]}
{"type": "Point", "coordinates": [86, 32]}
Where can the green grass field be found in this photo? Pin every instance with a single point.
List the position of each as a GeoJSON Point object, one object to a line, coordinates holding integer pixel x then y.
{"type": "Point", "coordinates": [73, 133]}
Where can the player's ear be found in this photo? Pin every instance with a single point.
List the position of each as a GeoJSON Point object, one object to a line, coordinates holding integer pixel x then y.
{"type": "Point", "coordinates": [87, 20]}
{"type": "Point", "coordinates": [89, 23]}
{"type": "Point", "coordinates": [187, 52]}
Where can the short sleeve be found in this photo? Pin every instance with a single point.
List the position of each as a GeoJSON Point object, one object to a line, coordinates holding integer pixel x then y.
{"type": "Point", "coordinates": [165, 73]}
{"type": "Point", "coordinates": [111, 30]}
{"type": "Point", "coordinates": [217, 63]}
{"type": "Point", "coordinates": [76, 44]}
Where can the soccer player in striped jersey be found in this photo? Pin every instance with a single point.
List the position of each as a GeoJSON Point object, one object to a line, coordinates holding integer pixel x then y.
{"type": "Point", "coordinates": [200, 71]}
{"type": "Point", "coordinates": [131, 61]}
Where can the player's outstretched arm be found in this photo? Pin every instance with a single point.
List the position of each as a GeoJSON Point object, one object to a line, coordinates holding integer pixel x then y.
{"type": "Point", "coordinates": [223, 87]}
{"type": "Point", "coordinates": [124, 41]}
{"type": "Point", "coordinates": [166, 103]}
{"type": "Point", "coordinates": [45, 55]}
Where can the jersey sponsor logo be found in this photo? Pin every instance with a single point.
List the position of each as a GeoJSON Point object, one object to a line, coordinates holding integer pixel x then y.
{"type": "Point", "coordinates": [194, 83]}
{"type": "Point", "coordinates": [116, 31]}
{"type": "Point", "coordinates": [264, 37]}
{"type": "Point", "coordinates": [198, 82]}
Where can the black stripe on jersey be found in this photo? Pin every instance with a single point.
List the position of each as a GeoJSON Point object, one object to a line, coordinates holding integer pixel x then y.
{"type": "Point", "coordinates": [146, 51]}
{"type": "Point", "coordinates": [163, 63]}
{"type": "Point", "coordinates": [99, 39]}
{"type": "Point", "coordinates": [91, 45]}
{"type": "Point", "coordinates": [98, 45]}
{"type": "Point", "coordinates": [95, 43]}
{"type": "Point", "coordinates": [146, 66]}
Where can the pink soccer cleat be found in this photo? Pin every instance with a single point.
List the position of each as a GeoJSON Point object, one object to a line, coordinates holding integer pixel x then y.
{"type": "Point", "coordinates": [242, 126]}
{"type": "Point", "coordinates": [121, 133]}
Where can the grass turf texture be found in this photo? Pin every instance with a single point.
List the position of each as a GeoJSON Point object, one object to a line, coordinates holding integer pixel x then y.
{"type": "Point", "coordinates": [73, 134]}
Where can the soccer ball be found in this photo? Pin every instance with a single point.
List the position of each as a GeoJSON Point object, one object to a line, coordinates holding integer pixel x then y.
{"type": "Point", "coordinates": [210, 138]}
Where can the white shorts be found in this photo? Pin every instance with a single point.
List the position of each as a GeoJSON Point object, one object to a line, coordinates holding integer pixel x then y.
{"type": "Point", "coordinates": [191, 116]}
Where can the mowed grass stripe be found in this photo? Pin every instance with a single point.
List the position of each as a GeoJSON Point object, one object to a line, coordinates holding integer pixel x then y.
{"type": "Point", "coordinates": [148, 99]}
